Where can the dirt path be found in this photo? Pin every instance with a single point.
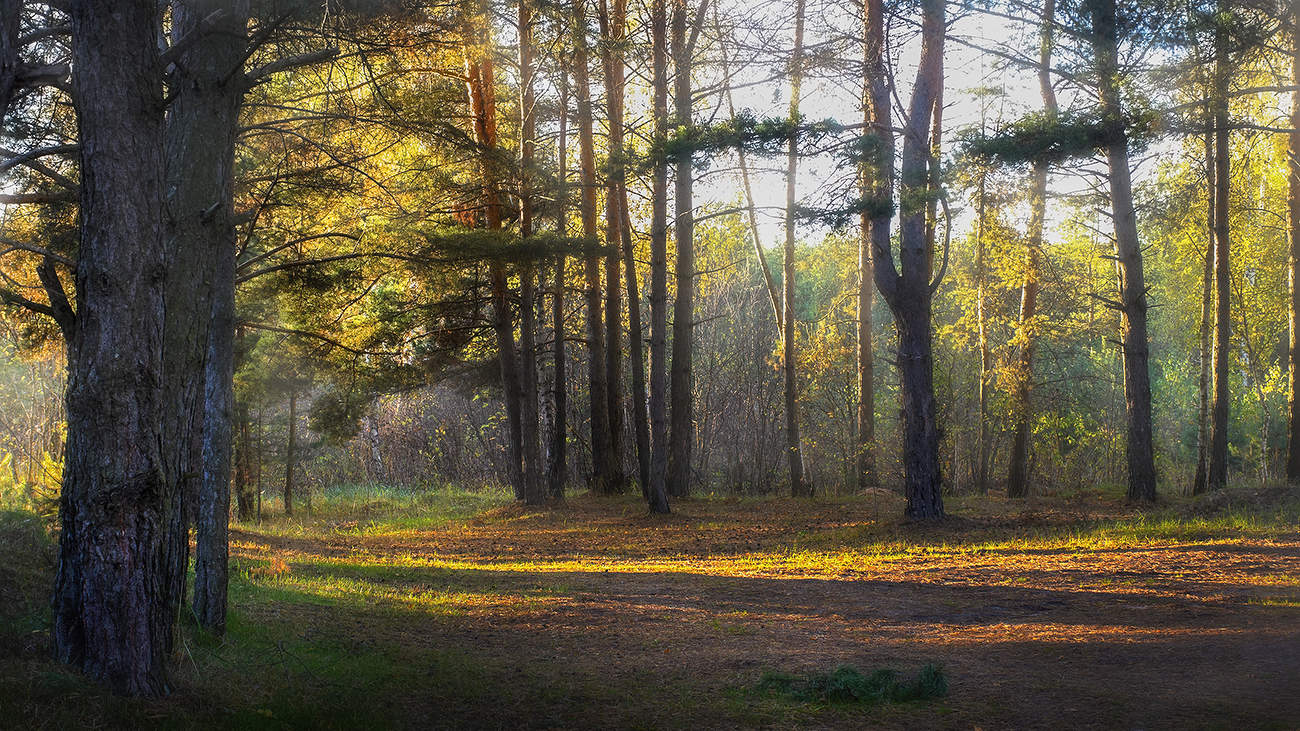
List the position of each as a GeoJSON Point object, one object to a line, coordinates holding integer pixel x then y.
{"type": "Point", "coordinates": [685, 615]}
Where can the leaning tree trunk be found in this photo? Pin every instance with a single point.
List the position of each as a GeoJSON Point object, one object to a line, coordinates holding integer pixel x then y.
{"type": "Point", "coordinates": [908, 289]}
{"type": "Point", "coordinates": [112, 616]}
{"type": "Point", "coordinates": [1132, 286]}
{"type": "Point", "coordinates": [1293, 263]}
{"type": "Point", "coordinates": [659, 267]}
{"type": "Point", "coordinates": [1217, 477]}
{"type": "Point", "coordinates": [798, 486]}
{"type": "Point", "coordinates": [1022, 392]}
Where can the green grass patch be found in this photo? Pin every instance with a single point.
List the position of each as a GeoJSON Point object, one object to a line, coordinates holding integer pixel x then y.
{"type": "Point", "coordinates": [848, 685]}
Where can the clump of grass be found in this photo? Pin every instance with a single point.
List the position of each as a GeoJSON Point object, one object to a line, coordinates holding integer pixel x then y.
{"type": "Point", "coordinates": [847, 684]}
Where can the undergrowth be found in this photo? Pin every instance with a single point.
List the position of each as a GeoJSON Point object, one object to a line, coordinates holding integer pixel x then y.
{"type": "Point", "coordinates": [847, 684]}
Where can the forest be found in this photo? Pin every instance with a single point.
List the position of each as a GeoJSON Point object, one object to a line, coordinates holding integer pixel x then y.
{"type": "Point", "coordinates": [649, 364]}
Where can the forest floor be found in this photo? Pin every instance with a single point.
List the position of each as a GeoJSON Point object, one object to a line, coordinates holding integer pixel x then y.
{"type": "Point", "coordinates": [459, 609]}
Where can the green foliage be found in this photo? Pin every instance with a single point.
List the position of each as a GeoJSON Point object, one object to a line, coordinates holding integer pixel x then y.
{"type": "Point", "coordinates": [1041, 136]}
{"type": "Point", "coordinates": [847, 684]}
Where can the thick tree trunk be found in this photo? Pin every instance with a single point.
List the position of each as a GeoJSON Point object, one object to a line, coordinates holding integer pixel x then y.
{"type": "Point", "coordinates": [602, 462]}
{"type": "Point", "coordinates": [659, 267]}
{"type": "Point", "coordinates": [1293, 263]}
{"type": "Point", "coordinates": [1022, 392]}
{"type": "Point", "coordinates": [557, 468]}
{"type": "Point", "coordinates": [1217, 477]}
{"type": "Point", "coordinates": [612, 63]}
{"type": "Point", "coordinates": [1132, 286]}
{"type": "Point", "coordinates": [200, 147]}
{"type": "Point", "coordinates": [908, 289]}
{"type": "Point", "coordinates": [112, 613]}
{"type": "Point", "coordinates": [681, 404]}
{"type": "Point", "coordinates": [798, 486]}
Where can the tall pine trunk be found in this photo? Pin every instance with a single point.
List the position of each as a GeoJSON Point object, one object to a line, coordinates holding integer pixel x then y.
{"type": "Point", "coordinates": [1132, 286]}
{"type": "Point", "coordinates": [799, 487]}
{"type": "Point", "coordinates": [681, 404]}
{"type": "Point", "coordinates": [1293, 263]}
{"type": "Point", "coordinates": [200, 145]}
{"type": "Point", "coordinates": [981, 318]}
{"type": "Point", "coordinates": [659, 266]}
{"type": "Point", "coordinates": [480, 86]}
{"type": "Point", "coordinates": [907, 288]}
{"type": "Point", "coordinates": [557, 467]}
{"type": "Point", "coordinates": [1022, 391]}
{"type": "Point", "coordinates": [613, 27]}
{"type": "Point", "coordinates": [1200, 481]}
{"type": "Point", "coordinates": [112, 615]}
{"type": "Point", "coordinates": [534, 491]}
{"type": "Point", "coordinates": [598, 385]}
{"type": "Point", "coordinates": [865, 427]}
{"type": "Point", "coordinates": [1217, 475]}
{"type": "Point", "coordinates": [612, 65]}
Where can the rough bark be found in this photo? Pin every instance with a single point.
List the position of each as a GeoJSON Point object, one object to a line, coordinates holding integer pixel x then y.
{"type": "Point", "coordinates": [798, 486]}
{"type": "Point", "coordinates": [112, 615]}
{"type": "Point", "coordinates": [1132, 285]}
{"type": "Point", "coordinates": [907, 288]}
{"type": "Point", "coordinates": [200, 148]}
{"type": "Point", "coordinates": [1022, 391]}
{"type": "Point", "coordinates": [659, 262]}
{"type": "Point", "coordinates": [598, 385]}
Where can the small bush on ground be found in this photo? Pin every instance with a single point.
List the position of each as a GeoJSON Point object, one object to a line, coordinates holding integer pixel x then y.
{"type": "Point", "coordinates": [847, 684]}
